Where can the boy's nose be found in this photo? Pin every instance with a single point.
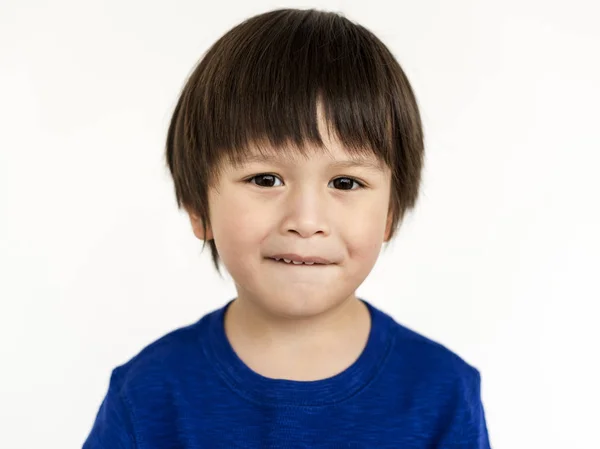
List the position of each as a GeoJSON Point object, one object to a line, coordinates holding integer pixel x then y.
{"type": "Point", "coordinates": [306, 214]}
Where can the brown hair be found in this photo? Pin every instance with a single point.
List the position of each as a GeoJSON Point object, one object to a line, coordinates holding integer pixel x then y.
{"type": "Point", "coordinates": [263, 81]}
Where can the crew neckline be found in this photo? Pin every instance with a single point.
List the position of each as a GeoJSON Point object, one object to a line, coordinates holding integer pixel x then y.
{"type": "Point", "coordinates": [269, 391]}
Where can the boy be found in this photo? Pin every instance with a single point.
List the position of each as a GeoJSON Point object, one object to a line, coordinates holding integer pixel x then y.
{"type": "Point", "coordinates": [296, 148]}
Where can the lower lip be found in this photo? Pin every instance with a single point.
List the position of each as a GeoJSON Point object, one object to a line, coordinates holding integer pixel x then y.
{"type": "Point", "coordinates": [291, 264]}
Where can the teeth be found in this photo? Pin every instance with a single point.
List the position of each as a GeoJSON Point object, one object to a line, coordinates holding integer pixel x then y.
{"type": "Point", "coordinates": [294, 262]}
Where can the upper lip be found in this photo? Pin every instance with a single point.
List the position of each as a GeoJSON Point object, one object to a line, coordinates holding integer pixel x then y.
{"type": "Point", "coordinates": [298, 258]}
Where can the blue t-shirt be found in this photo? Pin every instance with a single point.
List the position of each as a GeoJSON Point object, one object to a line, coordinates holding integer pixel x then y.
{"type": "Point", "coordinates": [189, 389]}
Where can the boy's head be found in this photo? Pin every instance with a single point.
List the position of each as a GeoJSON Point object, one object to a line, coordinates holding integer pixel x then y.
{"type": "Point", "coordinates": [293, 96]}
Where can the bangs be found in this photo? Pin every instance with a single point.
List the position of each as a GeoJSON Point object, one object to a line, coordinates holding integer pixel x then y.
{"type": "Point", "coordinates": [265, 86]}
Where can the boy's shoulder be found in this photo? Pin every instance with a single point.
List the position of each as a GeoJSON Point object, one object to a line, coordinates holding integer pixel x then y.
{"type": "Point", "coordinates": [178, 349]}
{"type": "Point", "coordinates": [427, 358]}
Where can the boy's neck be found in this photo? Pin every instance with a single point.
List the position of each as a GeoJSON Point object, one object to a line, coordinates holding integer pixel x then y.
{"type": "Point", "coordinates": [307, 349]}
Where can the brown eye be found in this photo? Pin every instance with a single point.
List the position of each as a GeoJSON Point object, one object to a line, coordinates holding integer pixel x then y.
{"type": "Point", "coordinates": [346, 183]}
{"type": "Point", "coordinates": [342, 183]}
{"type": "Point", "coordinates": [264, 180]}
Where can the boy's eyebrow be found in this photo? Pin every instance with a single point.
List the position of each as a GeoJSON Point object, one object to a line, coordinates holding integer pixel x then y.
{"type": "Point", "coordinates": [349, 163]}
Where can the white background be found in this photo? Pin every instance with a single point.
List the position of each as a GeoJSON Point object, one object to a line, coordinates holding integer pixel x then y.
{"type": "Point", "coordinates": [499, 261]}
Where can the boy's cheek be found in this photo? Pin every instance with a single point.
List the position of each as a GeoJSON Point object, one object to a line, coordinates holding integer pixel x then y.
{"type": "Point", "coordinates": [243, 220]}
{"type": "Point", "coordinates": [239, 227]}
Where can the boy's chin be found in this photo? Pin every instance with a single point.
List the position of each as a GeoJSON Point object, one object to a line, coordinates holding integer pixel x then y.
{"type": "Point", "coordinates": [296, 304]}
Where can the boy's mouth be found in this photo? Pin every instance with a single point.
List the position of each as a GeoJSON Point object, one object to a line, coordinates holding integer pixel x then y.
{"type": "Point", "coordinates": [289, 262]}
{"type": "Point", "coordinates": [294, 259]}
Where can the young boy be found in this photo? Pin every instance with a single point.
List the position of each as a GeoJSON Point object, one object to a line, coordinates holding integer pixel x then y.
{"type": "Point", "coordinates": [296, 148]}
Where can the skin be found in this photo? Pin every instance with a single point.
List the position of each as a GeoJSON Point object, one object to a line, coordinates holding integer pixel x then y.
{"type": "Point", "coordinates": [298, 322]}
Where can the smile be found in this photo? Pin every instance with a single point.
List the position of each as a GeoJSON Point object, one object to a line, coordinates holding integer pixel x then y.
{"type": "Point", "coordinates": [291, 262]}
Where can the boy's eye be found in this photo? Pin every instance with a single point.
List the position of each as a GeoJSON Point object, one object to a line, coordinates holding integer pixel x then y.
{"type": "Point", "coordinates": [342, 183]}
{"type": "Point", "coordinates": [264, 180]}
{"type": "Point", "coordinates": [348, 182]}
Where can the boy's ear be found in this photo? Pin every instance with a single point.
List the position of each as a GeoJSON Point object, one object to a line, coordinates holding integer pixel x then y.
{"type": "Point", "coordinates": [388, 227]}
{"type": "Point", "coordinates": [196, 223]}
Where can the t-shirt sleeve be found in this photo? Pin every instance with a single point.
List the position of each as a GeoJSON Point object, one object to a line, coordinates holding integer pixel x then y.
{"type": "Point", "coordinates": [112, 427]}
{"type": "Point", "coordinates": [468, 428]}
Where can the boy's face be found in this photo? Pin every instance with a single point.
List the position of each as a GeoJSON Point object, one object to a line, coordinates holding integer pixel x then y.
{"type": "Point", "coordinates": [302, 206]}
